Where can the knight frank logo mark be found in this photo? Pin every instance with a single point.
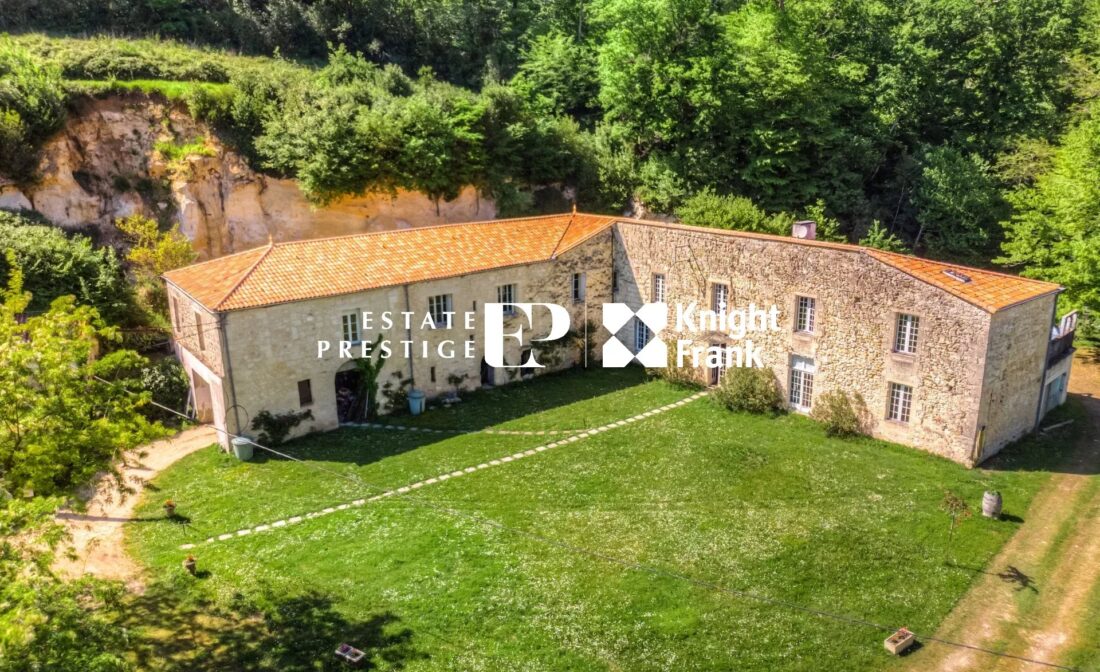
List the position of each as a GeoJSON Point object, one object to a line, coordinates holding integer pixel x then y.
{"type": "Point", "coordinates": [653, 354]}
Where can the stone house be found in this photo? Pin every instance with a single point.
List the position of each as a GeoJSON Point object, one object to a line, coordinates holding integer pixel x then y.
{"type": "Point", "coordinates": [953, 360]}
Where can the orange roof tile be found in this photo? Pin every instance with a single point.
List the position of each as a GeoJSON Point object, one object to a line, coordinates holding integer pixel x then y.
{"type": "Point", "coordinates": [988, 290]}
{"type": "Point", "coordinates": [310, 269]}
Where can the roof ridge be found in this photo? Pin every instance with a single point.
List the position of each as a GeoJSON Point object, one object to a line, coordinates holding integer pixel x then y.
{"type": "Point", "coordinates": [430, 227]}
{"type": "Point", "coordinates": [873, 251]}
{"type": "Point", "coordinates": [244, 276]}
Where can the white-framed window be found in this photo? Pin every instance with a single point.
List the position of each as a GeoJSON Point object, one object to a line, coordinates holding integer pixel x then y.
{"type": "Point", "coordinates": [802, 383]}
{"type": "Point", "coordinates": [507, 294]}
{"type": "Point", "coordinates": [719, 297]}
{"type": "Point", "coordinates": [641, 335]}
{"type": "Point", "coordinates": [439, 307]}
{"type": "Point", "coordinates": [199, 331]}
{"type": "Point", "coordinates": [579, 286]}
{"type": "Point", "coordinates": [905, 336]}
{"type": "Point", "coordinates": [806, 309]}
{"type": "Point", "coordinates": [660, 288]}
{"type": "Point", "coordinates": [901, 400]}
{"type": "Point", "coordinates": [349, 323]}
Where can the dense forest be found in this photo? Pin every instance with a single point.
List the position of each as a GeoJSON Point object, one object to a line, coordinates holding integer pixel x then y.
{"type": "Point", "coordinates": [961, 130]}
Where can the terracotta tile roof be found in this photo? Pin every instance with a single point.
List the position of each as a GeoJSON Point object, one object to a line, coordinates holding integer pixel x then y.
{"type": "Point", "coordinates": [988, 290]}
{"type": "Point", "coordinates": [309, 269]}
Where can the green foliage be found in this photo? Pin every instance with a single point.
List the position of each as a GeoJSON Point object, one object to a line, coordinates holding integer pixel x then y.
{"type": "Point", "coordinates": [957, 202]}
{"type": "Point", "coordinates": [369, 368]}
{"type": "Point", "coordinates": [61, 425]}
{"type": "Point", "coordinates": [680, 376]}
{"type": "Point", "coordinates": [559, 75]}
{"type": "Point", "coordinates": [55, 264]}
{"type": "Point", "coordinates": [1052, 233]}
{"type": "Point", "coordinates": [750, 390]}
{"type": "Point", "coordinates": [707, 208]}
{"type": "Point", "coordinates": [152, 254]}
{"type": "Point", "coordinates": [879, 238]}
{"type": "Point", "coordinates": [274, 427]}
{"type": "Point", "coordinates": [31, 107]}
{"type": "Point", "coordinates": [842, 414]}
{"type": "Point", "coordinates": [167, 384]}
{"type": "Point", "coordinates": [48, 623]}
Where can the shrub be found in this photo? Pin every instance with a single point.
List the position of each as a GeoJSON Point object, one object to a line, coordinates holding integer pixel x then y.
{"type": "Point", "coordinates": [274, 427]}
{"type": "Point", "coordinates": [680, 376]}
{"type": "Point", "coordinates": [32, 106]}
{"type": "Point", "coordinates": [841, 414]}
{"type": "Point", "coordinates": [167, 382]}
{"type": "Point", "coordinates": [751, 390]}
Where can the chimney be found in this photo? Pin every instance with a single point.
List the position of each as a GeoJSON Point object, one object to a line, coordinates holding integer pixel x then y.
{"type": "Point", "coordinates": [805, 229]}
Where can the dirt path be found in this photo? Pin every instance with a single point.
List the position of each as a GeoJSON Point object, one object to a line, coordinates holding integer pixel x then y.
{"type": "Point", "coordinates": [1055, 555]}
{"type": "Point", "coordinates": [97, 534]}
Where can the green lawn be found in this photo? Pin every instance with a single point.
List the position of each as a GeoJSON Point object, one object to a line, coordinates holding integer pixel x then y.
{"type": "Point", "coordinates": [765, 505]}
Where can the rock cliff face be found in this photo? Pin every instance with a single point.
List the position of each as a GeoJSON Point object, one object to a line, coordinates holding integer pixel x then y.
{"type": "Point", "coordinates": [106, 164]}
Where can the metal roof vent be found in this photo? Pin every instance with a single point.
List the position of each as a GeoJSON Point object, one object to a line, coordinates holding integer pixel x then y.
{"type": "Point", "coordinates": [956, 275]}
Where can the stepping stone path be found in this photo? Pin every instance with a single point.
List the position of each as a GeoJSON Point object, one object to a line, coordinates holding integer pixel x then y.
{"type": "Point", "coordinates": [575, 435]}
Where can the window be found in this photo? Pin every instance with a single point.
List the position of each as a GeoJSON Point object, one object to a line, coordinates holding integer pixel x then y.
{"type": "Point", "coordinates": [507, 294]}
{"type": "Point", "coordinates": [432, 374]}
{"type": "Point", "coordinates": [350, 323]}
{"type": "Point", "coordinates": [905, 338]}
{"type": "Point", "coordinates": [641, 335]}
{"type": "Point", "coordinates": [199, 331]}
{"type": "Point", "coordinates": [804, 319]}
{"type": "Point", "coordinates": [305, 393]}
{"type": "Point", "coordinates": [901, 399]}
{"type": "Point", "coordinates": [578, 286]}
{"type": "Point", "coordinates": [439, 307]}
{"type": "Point", "coordinates": [614, 281]}
{"type": "Point", "coordinates": [802, 383]}
{"type": "Point", "coordinates": [719, 298]}
{"type": "Point", "coordinates": [660, 294]}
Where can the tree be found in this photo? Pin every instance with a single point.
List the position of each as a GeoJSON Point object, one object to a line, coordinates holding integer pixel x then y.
{"type": "Point", "coordinates": [879, 238]}
{"type": "Point", "coordinates": [957, 203]}
{"type": "Point", "coordinates": [47, 623]}
{"type": "Point", "coordinates": [54, 264]}
{"type": "Point", "coordinates": [32, 106]}
{"type": "Point", "coordinates": [956, 509]}
{"type": "Point", "coordinates": [369, 368]}
{"type": "Point", "coordinates": [1052, 232]}
{"type": "Point", "coordinates": [59, 425]}
{"type": "Point", "coordinates": [559, 76]}
{"type": "Point", "coordinates": [707, 208]}
{"type": "Point", "coordinates": [152, 254]}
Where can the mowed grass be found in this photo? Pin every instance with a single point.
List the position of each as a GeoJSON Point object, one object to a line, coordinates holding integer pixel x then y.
{"type": "Point", "coordinates": [757, 505]}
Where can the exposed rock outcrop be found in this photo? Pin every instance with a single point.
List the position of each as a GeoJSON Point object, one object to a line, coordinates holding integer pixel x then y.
{"type": "Point", "coordinates": [105, 164]}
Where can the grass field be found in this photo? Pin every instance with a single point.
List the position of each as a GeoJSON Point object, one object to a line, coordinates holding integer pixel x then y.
{"type": "Point", "coordinates": [758, 504]}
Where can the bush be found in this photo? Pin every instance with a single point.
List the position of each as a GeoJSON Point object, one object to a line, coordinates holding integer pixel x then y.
{"type": "Point", "coordinates": [676, 375]}
{"type": "Point", "coordinates": [55, 264]}
{"type": "Point", "coordinates": [168, 384]}
{"type": "Point", "coordinates": [32, 106]}
{"type": "Point", "coordinates": [841, 414]}
{"type": "Point", "coordinates": [707, 208]}
{"type": "Point", "coordinates": [750, 390]}
{"type": "Point", "coordinates": [274, 427]}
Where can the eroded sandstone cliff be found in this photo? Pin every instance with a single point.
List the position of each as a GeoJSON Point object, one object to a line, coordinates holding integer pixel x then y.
{"type": "Point", "coordinates": [106, 164]}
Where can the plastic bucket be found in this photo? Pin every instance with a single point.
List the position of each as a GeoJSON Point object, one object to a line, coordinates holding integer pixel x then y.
{"type": "Point", "coordinates": [242, 448]}
{"type": "Point", "coordinates": [416, 402]}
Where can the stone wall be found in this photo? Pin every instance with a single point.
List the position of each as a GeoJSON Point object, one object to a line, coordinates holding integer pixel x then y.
{"type": "Point", "coordinates": [1014, 370]}
{"type": "Point", "coordinates": [271, 349]}
{"type": "Point", "coordinates": [857, 302]}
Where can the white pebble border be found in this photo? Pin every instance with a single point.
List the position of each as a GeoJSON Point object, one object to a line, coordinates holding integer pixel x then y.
{"type": "Point", "coordinates": [266, 527]}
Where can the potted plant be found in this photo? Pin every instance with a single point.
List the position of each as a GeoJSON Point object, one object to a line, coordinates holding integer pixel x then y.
{"type": "Point", "coordinates": [190, 564]}
{"type": "Point", "coordinates": [169, 508]}
{"type": "Point", "coordinates": [900, 641]}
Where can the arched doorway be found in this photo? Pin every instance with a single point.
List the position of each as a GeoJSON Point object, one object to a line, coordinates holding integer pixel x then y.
{"type": "Point", "coordinates": [348, 381]}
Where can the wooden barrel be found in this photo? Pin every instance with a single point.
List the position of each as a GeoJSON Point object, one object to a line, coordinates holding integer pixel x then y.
{"type": "Point", "coordinates": [991, 504]}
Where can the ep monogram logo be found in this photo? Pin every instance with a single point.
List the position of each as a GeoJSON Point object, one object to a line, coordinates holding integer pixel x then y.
{"type": "Point", "coordinates": [494, 331]}
{"type": "Point", "coordinates": [653, 354]}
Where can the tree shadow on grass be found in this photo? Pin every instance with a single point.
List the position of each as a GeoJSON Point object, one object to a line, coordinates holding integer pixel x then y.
{"type": "Point", "coordinates": [289, 634]}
